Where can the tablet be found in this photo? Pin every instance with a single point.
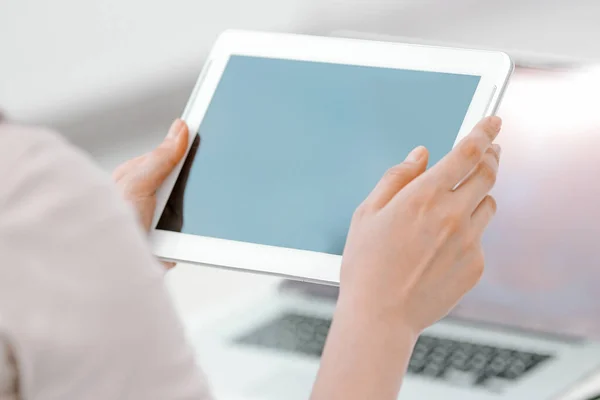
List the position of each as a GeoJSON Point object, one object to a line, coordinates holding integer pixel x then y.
{"type": "Point", "coordinates": [290, 133]}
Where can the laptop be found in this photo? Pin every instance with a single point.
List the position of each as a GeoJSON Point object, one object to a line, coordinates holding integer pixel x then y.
{"type": "Point", "coordinates": [530, 328]}
{"type": "Point", "coordinates": [269, 348]}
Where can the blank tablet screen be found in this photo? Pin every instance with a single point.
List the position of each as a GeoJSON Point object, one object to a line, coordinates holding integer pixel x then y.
{"type": "Point", "coordinates": [290, 148]}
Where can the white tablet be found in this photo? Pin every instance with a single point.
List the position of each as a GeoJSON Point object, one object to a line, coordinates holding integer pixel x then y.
{"type": "Point", "coordinates": [296, 131]}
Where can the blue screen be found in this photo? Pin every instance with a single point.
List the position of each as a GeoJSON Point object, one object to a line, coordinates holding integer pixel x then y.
{"type": "Point", "coordinates": [290, 148]}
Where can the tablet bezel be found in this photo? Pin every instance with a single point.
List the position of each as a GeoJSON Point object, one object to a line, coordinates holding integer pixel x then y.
{"type": "Point", "coordinates": [494, 68]}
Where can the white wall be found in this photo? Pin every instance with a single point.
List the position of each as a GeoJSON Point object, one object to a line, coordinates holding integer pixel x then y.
{"type": "Point", "coordinates": [62, 56]}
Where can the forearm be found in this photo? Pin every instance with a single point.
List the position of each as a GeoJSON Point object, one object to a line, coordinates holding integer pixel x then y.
{"type": "Point", "coordinates": [366, 356]}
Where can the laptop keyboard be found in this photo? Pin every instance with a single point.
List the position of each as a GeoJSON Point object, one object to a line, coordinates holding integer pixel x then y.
{"type": "Point", "coordinates": [454, 361]}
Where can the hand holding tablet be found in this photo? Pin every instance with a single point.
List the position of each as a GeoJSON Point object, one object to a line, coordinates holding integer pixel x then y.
{"type": "Point", "coordinates": [414, 249]}
{"type": "Point", "coordinates": [415, 235]}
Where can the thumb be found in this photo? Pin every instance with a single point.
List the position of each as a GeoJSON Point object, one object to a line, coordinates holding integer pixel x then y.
{"type": "Point", "coordinates": [166, 156]}
{"type": "Point", "coordinates": [398, 177]}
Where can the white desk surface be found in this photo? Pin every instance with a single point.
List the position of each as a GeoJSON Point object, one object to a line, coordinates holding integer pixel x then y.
{"type": "Point", "coordinates": [198, 289]}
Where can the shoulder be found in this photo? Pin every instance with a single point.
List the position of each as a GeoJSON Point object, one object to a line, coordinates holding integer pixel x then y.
{"type": "Point", "coordinates": [80, 292]}
{"type": "Point", "coordinates": [53, 195]}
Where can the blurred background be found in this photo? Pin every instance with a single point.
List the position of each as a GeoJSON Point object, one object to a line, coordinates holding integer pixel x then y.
{"type": "Point", "coordinates": [67, 63]}
{"type": "Point", "coordinates": [112, 75]}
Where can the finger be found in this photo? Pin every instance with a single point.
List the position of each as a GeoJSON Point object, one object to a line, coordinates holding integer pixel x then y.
{"type": "Point", "coordinates": [483, 214]}
{"type": "Point", "coordinates": [124, 169]}
{"type": "Point", "coordinates": [481, 180]}
{"type": "Point", "coordinates": [453, 168]}
{"type": "Point", "coordinates": [169, 265]}
{"type": "Point", "coordinates": [162, 160]}
{"type": "Point", "coordinates": [397, 177]}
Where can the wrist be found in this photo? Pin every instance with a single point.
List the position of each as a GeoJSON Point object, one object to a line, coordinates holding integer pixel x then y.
{"type": "Point", "coordinates": [379, 320]}
{"type": "Point", "coordinates": [366, 355]}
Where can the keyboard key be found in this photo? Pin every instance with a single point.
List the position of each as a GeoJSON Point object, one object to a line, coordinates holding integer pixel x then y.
{"type": "Point", "coordinates": [321, 332]}
{"type": "Point", "coordinates": [497, 366]}
{"type": "Point", "coordinates": [478, 362]}
{"type": "Point", "coordinates": [458, 360]}
{"type": "Point", "coordinates": [433, 369]}
{"type": "Point", "coordinates": [460, 377]}
{"type": "Point", "coordinates": [305, 330]}
{"type": "Point", "coordinates": [515, 370]}
{"type": "Point", "coordinates": [496, 385]}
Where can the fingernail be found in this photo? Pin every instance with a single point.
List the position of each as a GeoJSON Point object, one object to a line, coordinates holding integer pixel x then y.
{"type": "Point", "coordinates": [175, 129]}
{"type": "Point", "coordinates": [497, 148]}
{"type": "Point", "coordinates": [495, 123]}
{"type": "Point", "coordinates": [415, 155]}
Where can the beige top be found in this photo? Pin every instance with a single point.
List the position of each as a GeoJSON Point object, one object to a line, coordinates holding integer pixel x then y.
{"type": "Point", "coordinates": [84, 313]}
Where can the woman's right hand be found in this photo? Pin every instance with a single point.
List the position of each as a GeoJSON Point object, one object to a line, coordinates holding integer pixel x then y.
{"type": "Point", "coordinates": [414, 247]}
{"type": "Point", "coordinates": [413, 250]}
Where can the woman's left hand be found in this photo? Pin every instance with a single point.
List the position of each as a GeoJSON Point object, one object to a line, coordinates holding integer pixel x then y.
{"type": "Point", "coordinates": [140, 178]}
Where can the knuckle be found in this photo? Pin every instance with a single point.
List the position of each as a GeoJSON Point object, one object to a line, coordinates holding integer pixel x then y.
{"type": "Point", "coordinates": [425, 199]}
{"type": "Point", "coordinates": [120, 172]}
{"type": "Point", "coordinates": [488, 172]}
{"type": "Point", "coordinates": [165, 153]}
{"type": "Point", "coordinates": [417, 207]}
{"type": "Point", "coordinates": [361, 211]}
{"type": "Point", "coordinates": [397, 171]}
{"type": "Point", "coordinates": [451, 223]}
{"type": "Point", "coordinates": [489, 130]}
{"type": "Point", "coordinates": [471, 150]}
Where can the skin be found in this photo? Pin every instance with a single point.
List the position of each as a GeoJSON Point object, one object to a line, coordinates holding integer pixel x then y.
{"type": "Point", "coordinates": [413, 251]}
{"type": "Point", "coordinates": [139, 179]}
